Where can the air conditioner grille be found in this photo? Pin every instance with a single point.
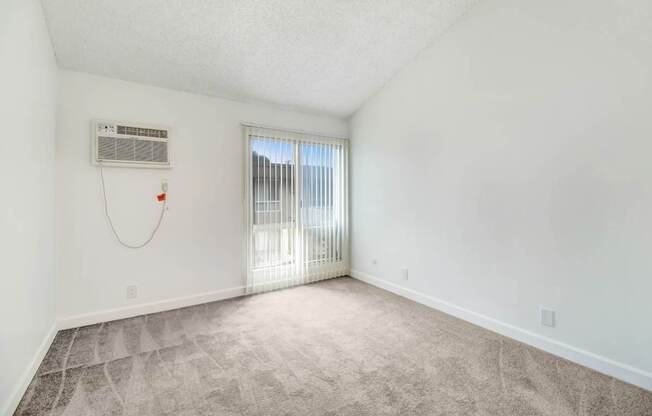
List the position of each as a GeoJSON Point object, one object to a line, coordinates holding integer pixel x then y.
{"type": "Point", "coordinates": [143, 150]}
{"type": "Point", "coordinates": [106, 148]}
{"type": "Point", "coordinates": [124, 149]}
{"type": "Point", "coordinates": [131, 150]}
{"type": "Point", "coordinates": [142, 132]}
{"type": "Point", "coordinates": [159, 151]}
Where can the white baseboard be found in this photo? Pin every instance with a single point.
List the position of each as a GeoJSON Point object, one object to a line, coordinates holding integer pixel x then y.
{"type": "Point", "coordinates": [21, 387]}
{"type": "Point", "coordinates": [588, 359]}
{"type": "Point", "coordinates": [147, 308]}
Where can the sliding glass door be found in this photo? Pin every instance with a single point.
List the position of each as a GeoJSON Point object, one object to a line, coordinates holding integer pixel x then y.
{"type": "Point", "coordinates": [320, 199]}
{"type": "Point", "coordinates": [273, 202]}
{"type": "Point", "coordinates": [296, 208]}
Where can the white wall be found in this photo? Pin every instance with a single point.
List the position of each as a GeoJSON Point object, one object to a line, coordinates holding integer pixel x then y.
{"type": "Point", "coordinates": [27, 116]}
{"type": "Point", "coordinates": [199, 247]}
{"type": "Point", "coordinates": [509, 167]}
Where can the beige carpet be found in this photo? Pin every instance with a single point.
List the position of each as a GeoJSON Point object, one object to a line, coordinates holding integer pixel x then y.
{"type": "Point", "coordinates": [338, 347]}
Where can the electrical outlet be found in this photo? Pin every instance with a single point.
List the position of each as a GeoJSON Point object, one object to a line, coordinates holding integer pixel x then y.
{"type": "Point", "coordinates": [164, 185]}
{"type": "Point", "coordinates": [132, 292]}
{"type": "Point", "coordinates": [404, 273]}
{"type": "Point", "coordinates": [374, 262]}
{"type": "Point", "coordinates": [547, 317]}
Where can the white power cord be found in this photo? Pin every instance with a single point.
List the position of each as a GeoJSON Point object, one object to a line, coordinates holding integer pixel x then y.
{"type": "Point", "coordinates": [115, 233]}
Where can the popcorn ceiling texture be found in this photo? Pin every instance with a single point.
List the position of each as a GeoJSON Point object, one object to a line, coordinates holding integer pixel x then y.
{"type": "Point", "coordinates": [325, 56]}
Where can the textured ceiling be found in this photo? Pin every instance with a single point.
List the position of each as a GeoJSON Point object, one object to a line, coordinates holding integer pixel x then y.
{"type": "Point", "coordinates": [319, 55]}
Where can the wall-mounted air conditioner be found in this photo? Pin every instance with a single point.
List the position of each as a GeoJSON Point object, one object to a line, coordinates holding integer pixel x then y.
{"type": "Point", "coordinates": [133, 145]}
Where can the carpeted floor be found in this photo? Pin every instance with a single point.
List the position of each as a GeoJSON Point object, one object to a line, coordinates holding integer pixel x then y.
{"type": "Point", "coordinates": [338, 347]}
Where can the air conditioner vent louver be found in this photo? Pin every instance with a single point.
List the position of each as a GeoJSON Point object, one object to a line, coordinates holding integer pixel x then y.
{"type": "Point", "coordinates": [106, 148]}
{"type": "Point", "coordinates": [142, 132]}
{"type": "Point", "coordinates": [128, 145]}
{"type": "Point", "coordinates": [159, 151]}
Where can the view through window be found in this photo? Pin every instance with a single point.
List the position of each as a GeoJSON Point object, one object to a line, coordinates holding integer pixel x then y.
{"type": "Point", "coordinates": [296, 204]}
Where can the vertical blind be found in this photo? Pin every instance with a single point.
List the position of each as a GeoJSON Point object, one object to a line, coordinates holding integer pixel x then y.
{"type": "Point", "coordinates": [296, 208]}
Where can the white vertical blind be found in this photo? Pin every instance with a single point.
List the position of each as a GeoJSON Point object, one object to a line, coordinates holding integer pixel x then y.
{"type": "Point", "coordinates": [296, 208]}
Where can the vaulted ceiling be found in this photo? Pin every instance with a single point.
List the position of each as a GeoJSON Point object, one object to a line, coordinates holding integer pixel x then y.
{"type": "Point", "coordinates": [319, 55]}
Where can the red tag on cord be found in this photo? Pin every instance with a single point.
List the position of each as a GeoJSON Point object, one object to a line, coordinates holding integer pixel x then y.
{"type": "Point", "coordinates": [161, 197]}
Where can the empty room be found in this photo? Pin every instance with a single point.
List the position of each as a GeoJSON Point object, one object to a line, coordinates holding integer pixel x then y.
{"type": "Point", "coordinates": [326, 207]}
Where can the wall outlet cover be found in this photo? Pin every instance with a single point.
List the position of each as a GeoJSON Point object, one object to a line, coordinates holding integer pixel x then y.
{"type": "Point", "coordinates": [404, 273]}
{"type": "Point", "coordinates": [547, 317]}
{"type": "Point", "coordinates": [132, 292]}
